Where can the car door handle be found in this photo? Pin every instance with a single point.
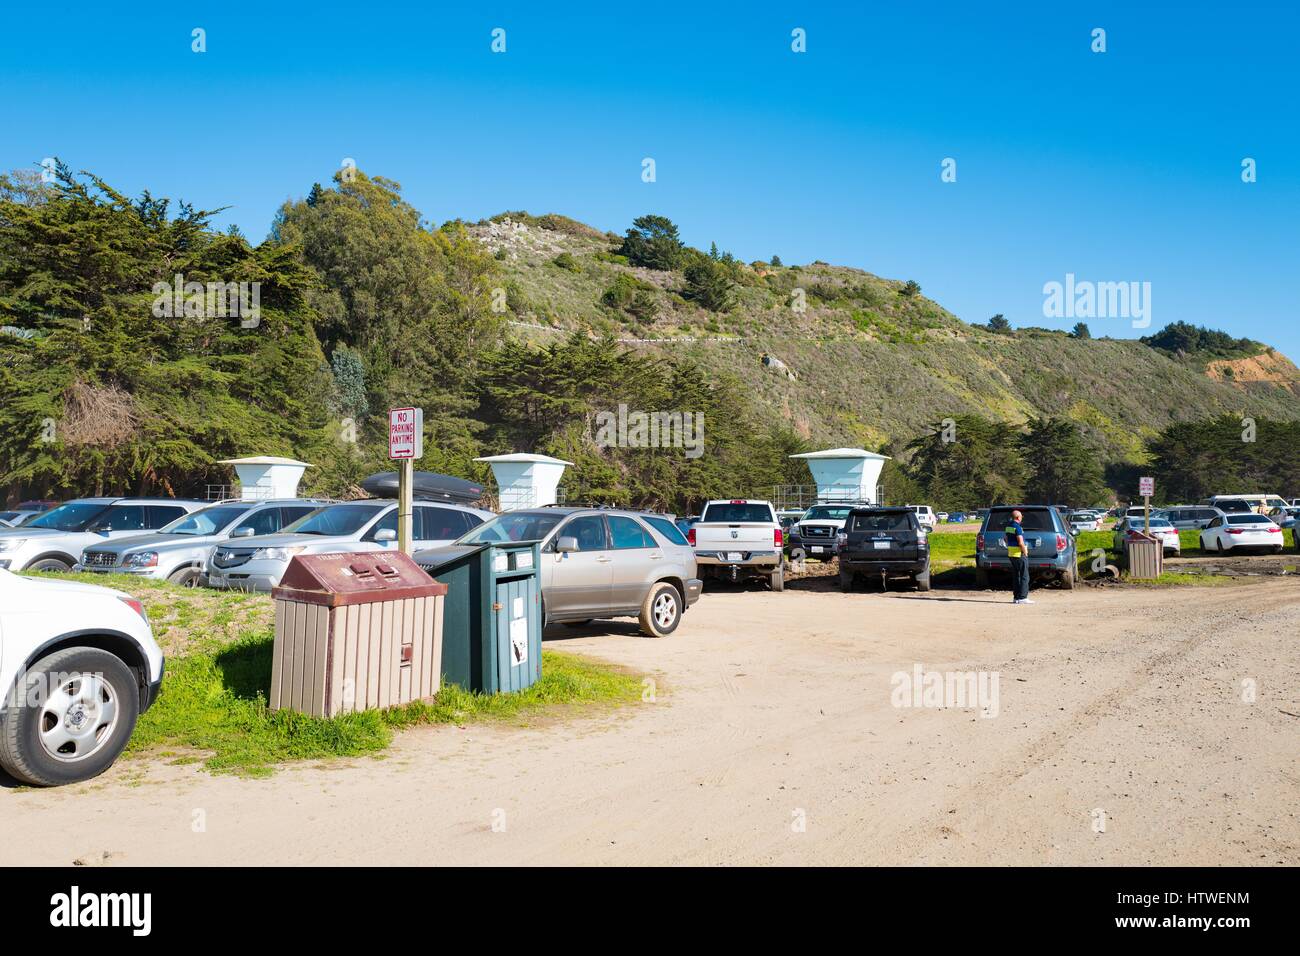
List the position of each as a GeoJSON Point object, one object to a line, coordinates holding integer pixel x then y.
{"type": "Point", "coordinates": [604, 559]}
{"type": "Point", "coordinates": [656, 557]}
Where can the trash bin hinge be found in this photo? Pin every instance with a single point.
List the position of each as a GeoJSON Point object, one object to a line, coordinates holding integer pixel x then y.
{"type": "Point", "coordinates": [496, 605]}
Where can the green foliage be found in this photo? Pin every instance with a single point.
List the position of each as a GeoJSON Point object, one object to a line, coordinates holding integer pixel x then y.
{"type": "Point", "coordinates": [1184, 338]}
{"type": "Point", "coordinates": [968, 462]}
{"type": "Point", "coordinates": [349, 373]}
{"type": "Point", "coordinates": [1193, 460]}
{"type": "Point", "coordinates": [566, 262]}
{"type": "Point", "coordinates": [653, 242]}
{"type": "Point", "coordinates": [1080, 331]}
{"type": "Point", "coordinates": [776, 262]}
{"type": "Point", "coordinates": [910, 288]}
{"type": "Point", "coordinates": [709, 282]}
{"type": "Point", "coordinates": [999, 323]}
{"type": "Point", "coordinates": [1063, 468]}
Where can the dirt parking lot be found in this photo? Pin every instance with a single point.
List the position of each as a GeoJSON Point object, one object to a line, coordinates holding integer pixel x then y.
{"type": "Point", "coordinates": [1126, 732]}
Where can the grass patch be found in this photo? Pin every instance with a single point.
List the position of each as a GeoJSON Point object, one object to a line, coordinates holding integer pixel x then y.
{"type": "Point", "coordinates": [215, 704]}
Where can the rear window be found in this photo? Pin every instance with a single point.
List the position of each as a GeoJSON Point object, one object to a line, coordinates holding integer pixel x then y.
{"type": "Point", "coordinates": [1034, 519]}
{"type": "Point", "coordinates": [667, 529]}
{"type": "Point", "coordinates": [1248, 519]}
{"type": "Point", "coordinates": [882, 521]}
{"type": "Point", "coordinates": [732, 513]}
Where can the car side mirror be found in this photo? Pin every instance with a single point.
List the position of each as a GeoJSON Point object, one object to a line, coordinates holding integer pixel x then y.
{"type": "Point", "coordinates": [566, 544]}
{"type": "Point", "coordinates": [385, 535]}
{"type": "Point", "coordinates": [244, 532]}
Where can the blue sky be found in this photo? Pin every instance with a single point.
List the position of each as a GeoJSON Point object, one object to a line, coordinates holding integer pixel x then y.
{"type": "Point", "coordinates": [1118, 166]}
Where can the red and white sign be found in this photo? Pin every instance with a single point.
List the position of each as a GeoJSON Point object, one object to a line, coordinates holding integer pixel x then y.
{"type": "Point", "coordinates": [1146, 487]}
{"type": "Point", "coordinates": [406, 433]}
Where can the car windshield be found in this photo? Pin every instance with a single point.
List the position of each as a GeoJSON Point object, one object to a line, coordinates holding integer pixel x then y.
{"type": "Point", "coordinates": [515, 526]}
{"type": "Point", "coordinates": [74, 516]}
{"type": "Point", "coordinates": [883, 521]}
{"type": "Point", "coordinates": [335, 519]}
{"type": "Point", "coordinates": [1248, 519]}
{"type": "Point", "coordinates": [206, 520]}
{"type": "Point", "coordinates": [1034, 519]}
{"type": "Point", "coordinates": [732, 512]}
{"type": "Point", "coordinates": [826, 514]}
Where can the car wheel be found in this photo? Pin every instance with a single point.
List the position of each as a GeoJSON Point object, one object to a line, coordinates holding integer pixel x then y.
{"type": "Point", "coordinates": [77, 711]}
{"type": "Point", "coordinates": [846, 581]}
{"type": "Point", "coordinates": [923, 580]}
{"type": "Point", "coordinates": [49, 564]}
{"type": "Point", "coordinates": [187, 577]}
{"type": "Point", "coordinates": [578, 623]}
{"type": "Point", "coordinates": [1277, 549]}
{"type": "Point", "coordinates": [662, 610]}
{"type": "Point", "coordinates": [777, 579]}
{"type": "Point", "coordinates": [1068, 577]}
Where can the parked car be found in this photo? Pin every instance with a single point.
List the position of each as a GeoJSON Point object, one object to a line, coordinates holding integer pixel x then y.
{"type": "Point", "coordinates": [598, 563]}
{"type": "Point", "coordinates": [883, 543]}
{"type": "Point", "coordinates": [1238, 530]}
{"type": "Point", "coordinates": [814, 534]}
{"type": "Point", "coordinates": [737, 539]}
{"type": "Point", "coordinates": [179, 552]}
{"type": "Point", "coordinates": [1161, 528]}
{"type": "Point", "coordinates": [924, 514]}
{"type": "Point", "coordinates": [25, 511]}
{"type": "Point", "coordinates": [1232, 506]}
{"type": "Point", "coordinates": [1084, 521]}
{"type": "Point", "coordinates": [79, 666]}
{"type": "Point", "coordinates": [258, 563]}
{"type": "Point", "coordinates": [1191, 517]}
{"type": "Point", "coordinates": [54, 541]}
{"type": "Point", "coordinates": [1049, 539]}
{"type": "Point", "coordinates": [941, 516]}
{"type": "Point", "coordinates": [1288, 517]}
{"type": "Point", "coordinates": [957, 517]}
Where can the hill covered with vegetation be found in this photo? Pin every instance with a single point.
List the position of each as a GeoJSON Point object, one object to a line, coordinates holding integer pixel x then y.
{"type": "Point", "coordinates": [518, 332]}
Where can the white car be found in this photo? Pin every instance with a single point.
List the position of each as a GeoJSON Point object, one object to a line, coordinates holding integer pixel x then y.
{"type": "Point", "coordinates": [1246, 530]}
{"type": "Point", "coordinates": [78, 665]}
{"type": "Point", "coordinates": [925, 515]}
{"type": "Point", "coordinates": [55, 540]}
{"type": "Point", "coordinates": [737, 538]}
{"type": "Point", "coordinates": [1085, 521]}
{"type": "Point", "coordinates": [1161, 528]}
{"type": "Point", "coordinates": [258, 563]}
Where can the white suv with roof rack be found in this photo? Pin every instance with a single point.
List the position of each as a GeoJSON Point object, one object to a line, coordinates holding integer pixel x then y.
{"type": "Point", "coordinates": [55, 540]}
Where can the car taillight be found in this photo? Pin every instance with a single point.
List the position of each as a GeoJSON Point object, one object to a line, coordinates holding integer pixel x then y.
{"type": "Point", "coordinates": [776, 537]}
{"type": "Point", "coordinates": [979, 541]}
{"type": "Point", "coordinates": [690, 537]}
{"type": "Point", "coordinates": [136, 606]}
{"type": "Point", "coordinates": [1235, 530]}
{"type": "Point", "coordinates": [1061, 543]}
{"type": "Point", "coordinates": [1274, 530]}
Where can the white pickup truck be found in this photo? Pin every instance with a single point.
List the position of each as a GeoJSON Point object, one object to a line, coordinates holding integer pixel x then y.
{"type": "Point", "coordinates": [739, 539]}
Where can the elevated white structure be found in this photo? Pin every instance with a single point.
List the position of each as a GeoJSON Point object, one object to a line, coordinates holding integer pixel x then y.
{"type": "Point", "coordinates": [845, 474]}
{"type": "Point", "coordinates": [266, 476]}
{"type": "Point", "coordinates": [525, 481]}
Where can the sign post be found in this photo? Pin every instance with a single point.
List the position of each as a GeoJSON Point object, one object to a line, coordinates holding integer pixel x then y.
{"type": "Point", "coordinates": [405, 445]}
{"type": "Point", "coordinates": [1146, 488]}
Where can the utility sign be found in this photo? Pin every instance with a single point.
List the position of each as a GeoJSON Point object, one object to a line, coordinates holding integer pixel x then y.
{"type": "Point", "coordinates": [406, 433]}
{"type": "Point", "coordinates": [1147, 487]}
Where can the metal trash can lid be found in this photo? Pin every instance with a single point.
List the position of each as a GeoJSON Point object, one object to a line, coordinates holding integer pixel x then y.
{"type": "Point", "coordinates": [334, 580]}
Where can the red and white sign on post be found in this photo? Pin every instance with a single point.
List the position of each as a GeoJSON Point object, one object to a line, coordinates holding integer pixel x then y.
{"type": "Point", "coordinates": [406, 433]}
{"type": "Point", "coordinates": [1147, 487]}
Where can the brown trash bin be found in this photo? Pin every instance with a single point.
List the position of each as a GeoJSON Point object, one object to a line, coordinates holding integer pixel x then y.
{"type": "Point", "coordinates": [355, 631]}
{"type": "Point", "coordinates": [1144, 556]}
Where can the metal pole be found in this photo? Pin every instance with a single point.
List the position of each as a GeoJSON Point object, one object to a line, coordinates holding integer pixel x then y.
{"type": "Point", "coordinates": [1146, 514]}
{"type": "Point", "coordinates": [405, 504]}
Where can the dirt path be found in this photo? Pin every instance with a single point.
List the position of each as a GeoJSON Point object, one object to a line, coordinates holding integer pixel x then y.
{"type": "Point", "coordinates": [772, 739]}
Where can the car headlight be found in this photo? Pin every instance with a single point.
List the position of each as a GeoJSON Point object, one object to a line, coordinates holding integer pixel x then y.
{"type": "Point", "coordinates": [277, 554]}
{"type": "Point", "coordinates": [12, 544]}
{"type": "Point", "coordinates": [141, 559]}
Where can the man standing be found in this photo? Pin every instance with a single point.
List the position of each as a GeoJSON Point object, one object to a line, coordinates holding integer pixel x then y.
{"type": "Point", "coordinates": [1018, 552]}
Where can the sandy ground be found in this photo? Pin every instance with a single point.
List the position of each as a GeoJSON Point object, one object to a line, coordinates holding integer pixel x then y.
{"type": "Point", "coordinates": [1121, 737]}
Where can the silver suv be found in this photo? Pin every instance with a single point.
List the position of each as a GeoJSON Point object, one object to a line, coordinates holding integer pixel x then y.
{"type": "Point", "coordinates": [55, 540]}
{"type": "Point", "coordinates": [599, 563]}
{"type": "Point", "coordinates": [258, 563]}
{"type": "Point", "coordinates": [179, 551]}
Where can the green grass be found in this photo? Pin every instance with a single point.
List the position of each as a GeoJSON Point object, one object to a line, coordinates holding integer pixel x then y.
{"type": "Point", "coordinates": [215, 704]}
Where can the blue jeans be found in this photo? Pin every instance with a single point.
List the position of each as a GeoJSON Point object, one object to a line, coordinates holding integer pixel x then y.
{"type": "Point", "coordinates": [1020, 578]}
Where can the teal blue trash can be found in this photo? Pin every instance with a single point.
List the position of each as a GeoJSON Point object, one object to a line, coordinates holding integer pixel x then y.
{"type": "Point", "coordinates": [492, 615]}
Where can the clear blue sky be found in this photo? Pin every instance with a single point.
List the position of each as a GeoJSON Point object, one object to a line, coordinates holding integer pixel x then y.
{"type": "Point", "coordinates": [1117, 166]}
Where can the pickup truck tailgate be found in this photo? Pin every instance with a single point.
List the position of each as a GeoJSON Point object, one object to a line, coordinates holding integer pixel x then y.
{"type": "Point", "coordinates": [734, 537]}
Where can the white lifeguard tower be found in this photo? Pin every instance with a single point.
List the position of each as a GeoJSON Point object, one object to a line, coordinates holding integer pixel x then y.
{"type": "Point", "coordinates": [839, 474]}
{"type": "Point", "coordinates": [525, 480]}
{"type": "Point", "coordinates": [261, 477]}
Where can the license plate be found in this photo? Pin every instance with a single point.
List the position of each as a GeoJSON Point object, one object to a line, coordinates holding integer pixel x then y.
{"type": "Point", "coordinates": [734, 556]}
{"type": "Point", "coordinates": [818, 548]}
{"type": "Point", "coordinates": [886, 545]}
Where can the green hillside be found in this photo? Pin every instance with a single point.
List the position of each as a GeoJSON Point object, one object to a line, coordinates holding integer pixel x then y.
{"type": "Point", "coordinates": [871, 364]}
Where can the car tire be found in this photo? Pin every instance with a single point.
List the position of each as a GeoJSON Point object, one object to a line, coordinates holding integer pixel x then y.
{"type": "Point", "coordinates": [47, 762]}
{"type": "Point", "coordinates": [49, 564]}
{"type": "Point", "coordinates": [187, 577]}
{"type": "Point", "coordinates": [923, 580]}
{"type": "Point", "coordinates": [1277, 549]}
{"type": "Point", "coordinates": [661, 611]}
{"type": "Point", "coordinates": [777, 579]}
{"type": "Point", "coordinates": [1068, 577]}
{"type": "Point", "coordinates": [846, 581]}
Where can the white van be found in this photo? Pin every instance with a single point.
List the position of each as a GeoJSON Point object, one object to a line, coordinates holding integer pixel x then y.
{"type": "Point", "coordinates": [924, 514]}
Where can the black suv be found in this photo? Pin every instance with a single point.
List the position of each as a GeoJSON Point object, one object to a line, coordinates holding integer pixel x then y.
{"type": "Point", "coordinates": [884, 543]}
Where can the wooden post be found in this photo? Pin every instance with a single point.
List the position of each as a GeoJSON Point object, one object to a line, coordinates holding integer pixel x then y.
{"type": "Point", "coordinates": [1146, 514]}
{"type": "Point", "coordinates": [405, 504]}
